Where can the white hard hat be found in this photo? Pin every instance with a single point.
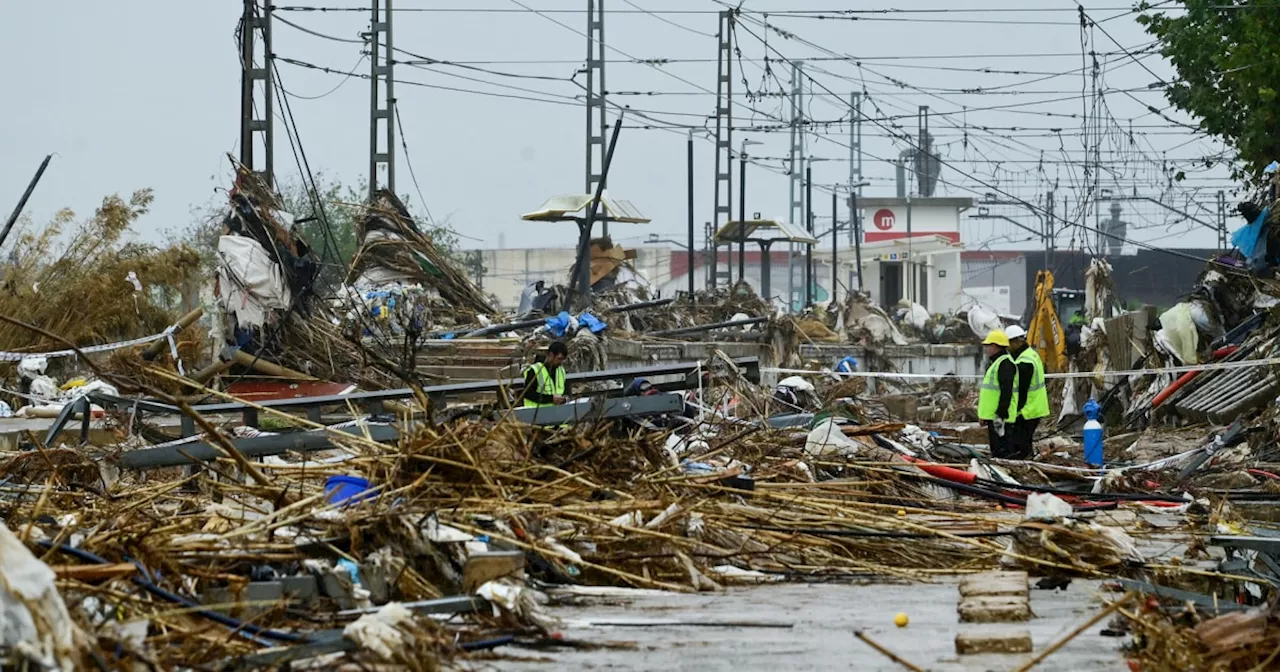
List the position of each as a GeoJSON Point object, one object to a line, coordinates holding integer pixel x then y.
{"type": "Point", "coordinates": [1015, 331]}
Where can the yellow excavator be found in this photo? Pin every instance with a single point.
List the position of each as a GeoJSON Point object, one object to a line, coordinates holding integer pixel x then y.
{"type": "Point", "coordinates": [1046, 333]}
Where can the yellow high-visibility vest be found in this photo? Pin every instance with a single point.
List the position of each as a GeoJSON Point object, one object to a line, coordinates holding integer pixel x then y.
{"type": "Point", "coordinates": [989, 391]}
{"type": "Point", "coordinates": [548, 384]}
{"type": "Point", "coordinates": [1037, 405]}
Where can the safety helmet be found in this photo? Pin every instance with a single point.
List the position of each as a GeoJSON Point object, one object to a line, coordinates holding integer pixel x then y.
{"type": "Point", "coordinates": [996, 337]}
{"type": "Point", "coordinates": [1015, 331]}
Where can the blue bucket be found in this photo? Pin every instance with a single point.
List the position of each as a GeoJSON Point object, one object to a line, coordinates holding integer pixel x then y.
{"type": "Point", "coordinates": [345, 489]}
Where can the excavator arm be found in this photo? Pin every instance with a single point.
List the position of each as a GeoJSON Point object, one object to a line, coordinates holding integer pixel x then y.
{"type": "Point", "coordinates": [1045, 333]}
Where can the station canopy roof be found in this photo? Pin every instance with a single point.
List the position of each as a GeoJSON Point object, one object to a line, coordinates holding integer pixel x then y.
{"type": "Point", "coordinates": [762, 231]}
{"type": "Point", "coordinates": [573, 207]}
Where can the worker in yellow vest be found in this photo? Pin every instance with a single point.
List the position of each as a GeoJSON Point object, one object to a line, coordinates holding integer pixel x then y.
{"type": "Point", "coordinates": [1033, 398]}
{"type": "Point", "coordinates": [544, 379]}
{"type": "Point", "coordinates": [997, 405]}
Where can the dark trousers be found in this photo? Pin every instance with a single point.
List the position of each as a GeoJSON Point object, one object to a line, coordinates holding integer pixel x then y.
{"type": "Point", "coordinates": [1001, 446]}
{"type": "Point", "coordinates": [1020, 434]}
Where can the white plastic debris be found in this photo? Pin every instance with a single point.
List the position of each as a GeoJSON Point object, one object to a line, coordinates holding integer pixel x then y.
{"type": "Point", "coordinates": [132, 279]}
{"type": "Point", "coordinates": [631, 519]}
{"type": "Point", "coordinates": [797, 383]}
{"type": "Point", "coordinates": [32, 367]}
{"type": "Point", "coordinates": [667, 514]}
{"type": "Point", "coordinates": [917, 316]}
{"type": "Point", "coordinates": [33, 618]}
{"type": "Point", "coordinates": [380, 631]}
{"type": "Point", "coordinates": [440, 533]}
{"type": "Point", "coordinates": [518, 599]}
{"type": "Point", "coordinates": [1046, 507]}
{"type": "Point", "coordinates": [983, 320]}
{"type": "Point", "coordinates": [828, 439]}
{"type": "Point", "coordinates": [740, 575]}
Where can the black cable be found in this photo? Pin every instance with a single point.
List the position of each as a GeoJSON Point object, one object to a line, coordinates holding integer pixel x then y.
{"type": "Point", "coordinates": [1101, 496]}
{"type": "Point", "coordinates": [196, 607]}
{"type": "Point", "coordinates": [1031, 206]}
{"type": "Point", "coordinates": [818, 531]}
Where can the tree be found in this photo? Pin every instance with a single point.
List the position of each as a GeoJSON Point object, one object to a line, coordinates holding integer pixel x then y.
{"type": "Point", "coordinates": [1227, 55]}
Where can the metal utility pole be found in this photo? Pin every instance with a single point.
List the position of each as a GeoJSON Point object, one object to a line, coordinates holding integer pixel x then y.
{"type": "Point", "coordinates": [855, 153]}
{"type": "Point", "coordinates": [794, 168]}
{"type": "Point", "coordinates": [1222, 221]}
{"type": "Point", "coordinates": [381, 108]}
{"type": "Point", "coordinates": [855, 222]}
{"type": "Point", "coordinates": [22, 202]}
{"type": "Point", "coordinates": [742, 209]}
{"type": "Point", "coordinates": [808, 248]}
{"type": "Point", "coordinates": [597, 124]}
{"type": "Point", "coordinates": [724, 128]}
{"type": "Point", "coordinates": [924, 157]}
{"type": "Point", "coordinates": [254, 122]}
{"type": "Point", "coordinates": [1050, 233]}
{"type": "Point", "coordinates": [835, 241]}
{"type": "Point", "coordinates": [690, 159]}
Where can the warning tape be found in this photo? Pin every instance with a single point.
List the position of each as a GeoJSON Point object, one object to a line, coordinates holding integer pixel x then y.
{"type": "Point", "coordinates": [19, 356]}
{"type": "Point", "coordinates": [1220, 366]}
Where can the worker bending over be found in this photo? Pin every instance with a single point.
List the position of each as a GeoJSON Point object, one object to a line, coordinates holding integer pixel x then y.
{"type": "Point", "coordinates": [544, 379]}
{"type": "Point", "coordinates": [1033, 398]}
{"type": "Point", "coordinates": [997, 406]}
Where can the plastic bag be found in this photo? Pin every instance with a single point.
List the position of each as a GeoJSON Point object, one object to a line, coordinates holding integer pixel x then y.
{"type": "Point", "coordinates": [827, 439]}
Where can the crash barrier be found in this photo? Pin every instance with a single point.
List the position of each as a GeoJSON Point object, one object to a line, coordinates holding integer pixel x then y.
{"type": "Point", "coordinates": [1219, 366]}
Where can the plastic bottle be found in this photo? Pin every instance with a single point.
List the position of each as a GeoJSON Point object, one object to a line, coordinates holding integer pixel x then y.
{"type": "Point", "coordinates": [1092, 434]}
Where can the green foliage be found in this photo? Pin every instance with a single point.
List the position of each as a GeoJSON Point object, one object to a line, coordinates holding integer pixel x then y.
{"type": "Point", "coordinates": [1227, 55]}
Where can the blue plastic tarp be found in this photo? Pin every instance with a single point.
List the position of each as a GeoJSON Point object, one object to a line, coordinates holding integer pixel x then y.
{"type": "Point", "coordinates": [592, 323]}
{"type": "Point", "coordinates": [1251, 240]}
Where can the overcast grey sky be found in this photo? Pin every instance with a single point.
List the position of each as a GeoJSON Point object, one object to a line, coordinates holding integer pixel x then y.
{"type": "Point", "coordinates": [145, 93]}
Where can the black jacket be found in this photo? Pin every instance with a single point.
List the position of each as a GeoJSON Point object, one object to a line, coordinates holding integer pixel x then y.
{"type": "Point", "coordinates": [1004, 378]}
{"type": "Point", "coordinates": [531, 384]}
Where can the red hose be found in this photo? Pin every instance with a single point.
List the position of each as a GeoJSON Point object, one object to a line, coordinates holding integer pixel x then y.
{"type": "Point", "coordinates": [1168, 391]}
{"type": "Point", "coordinates": [1187, 377]}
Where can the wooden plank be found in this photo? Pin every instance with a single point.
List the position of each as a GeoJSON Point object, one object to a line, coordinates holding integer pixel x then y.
{"type": "Point", "coordinates": [989, 584]}
{"type": "Point", "coordinates": [91, 573]}
{"type": "Point", "coordinates": [999, 641]}
{"type": "Point", "coordinates": [994, 609]}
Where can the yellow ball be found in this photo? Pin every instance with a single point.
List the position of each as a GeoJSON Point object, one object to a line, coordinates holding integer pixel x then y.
{"type": "Point", "coordinates": [902, 512]}
{"type": "Point", "coordinates": [900, 620]}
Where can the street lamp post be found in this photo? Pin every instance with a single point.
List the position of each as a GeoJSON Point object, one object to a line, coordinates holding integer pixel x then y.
{"type": "Point", "coordinates": [742, 203]}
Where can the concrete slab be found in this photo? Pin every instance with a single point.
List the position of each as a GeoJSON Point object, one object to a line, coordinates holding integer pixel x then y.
{"type": "Point", "coordinates": [994, 609]}
{"type": "Point", "coordinates": [1006, 641]}
{"type": "Point", "coordinates": [825, 617]}
{"type": "Point", "coordinates": [995, 583]}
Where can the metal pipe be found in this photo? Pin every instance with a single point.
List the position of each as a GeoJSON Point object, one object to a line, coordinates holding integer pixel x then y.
{"type": "Point", "coordinates": [22, 202]}
{"type": "Point", "coordinates": [708, 327]}
{"type": "Point", "coordinates": [499, 328]}
{"type": "Point", "coordinates": [639, 306]}
{"type": "Point", "coordinates": [584, 244]}
{"type": "Point", "coordinates": [690, 187]}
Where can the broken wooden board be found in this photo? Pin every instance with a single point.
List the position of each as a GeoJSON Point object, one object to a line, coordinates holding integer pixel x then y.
{"type": "Point", "coordinates": [92, 573]}
{"type": "Point", "coordinates": [994, 609]}
{"type": "Point", "coordinates": [482, 568]}
{"type": "Point", "coordinates": [989, 584]}
{"type": "Point", "coordinates": [998, 641]}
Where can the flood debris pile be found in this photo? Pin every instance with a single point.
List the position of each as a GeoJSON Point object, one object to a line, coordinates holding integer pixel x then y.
{"type": "Point", "coordinates": [402, 281]}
